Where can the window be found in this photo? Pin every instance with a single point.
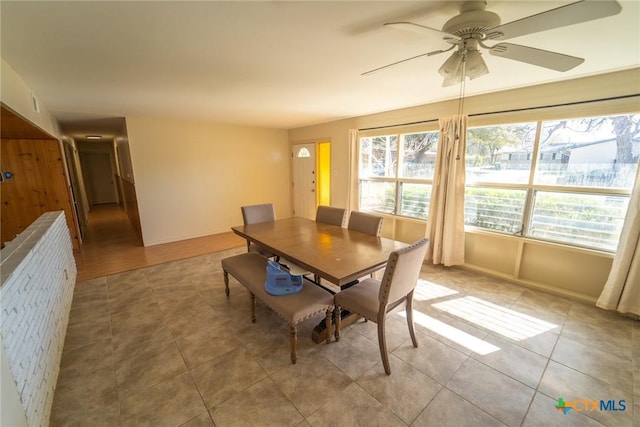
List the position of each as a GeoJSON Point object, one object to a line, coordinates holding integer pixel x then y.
{"type": "Point", "coordinates": [590, 220]}
{"type": "Point", "coordinates": [566, 181]}
{"type": "Point", "coordinates": [576, 192]}
{"type": "Point", "coordinates": [396, 173]}
{"type": "Point", "coordinates": [500, 154]}
{"type": "Point", "coordinates": [304, 152]}
{"type": "Point", "coordinates": [497, 209]}
{"type": "Point", "coordinates": [497, 173]}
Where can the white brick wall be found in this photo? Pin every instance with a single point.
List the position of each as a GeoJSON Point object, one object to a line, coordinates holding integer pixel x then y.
{"type": "Point", "coordinates": [38, 275]}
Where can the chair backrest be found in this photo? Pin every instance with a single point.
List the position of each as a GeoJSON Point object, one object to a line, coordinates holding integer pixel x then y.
{"type": "Point", "coordinates": [255, 214]}
{"type": "Point", "coordinates": [365, 223]}
{"type": "Point", "coordinates": [330, 215]}
{"type": "Point", "coordinates": [402, 272]}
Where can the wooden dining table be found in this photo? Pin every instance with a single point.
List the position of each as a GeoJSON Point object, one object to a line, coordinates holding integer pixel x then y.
{"type": "Point", "coordinates": [329, 252]}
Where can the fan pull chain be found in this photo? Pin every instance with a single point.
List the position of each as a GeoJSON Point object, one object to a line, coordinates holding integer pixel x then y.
{"type": "Point", "coordinates": [461, 99]}
{"type": "Point", "coordinates": [462, 86]}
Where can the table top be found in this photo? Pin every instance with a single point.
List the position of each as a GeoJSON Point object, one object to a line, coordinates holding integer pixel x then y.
{"type": "Point", "coordinates": [331, 252]}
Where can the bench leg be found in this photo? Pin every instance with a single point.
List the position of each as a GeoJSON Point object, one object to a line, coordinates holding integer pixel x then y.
{"type": "Point", "coordinates": [336, 313]}
{"type": "Point", "coordinates": [226, 283]}
{"type": "Point", "coordinates": [253, 307]}
{"type": "Point", "coordinates": [329, 316]}
{"type": "Point", "coordinates": [293, 335]}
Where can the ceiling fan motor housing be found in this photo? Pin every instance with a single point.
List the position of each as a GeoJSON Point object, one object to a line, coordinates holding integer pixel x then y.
{"type": "Point", "coordinates": [472, 20]}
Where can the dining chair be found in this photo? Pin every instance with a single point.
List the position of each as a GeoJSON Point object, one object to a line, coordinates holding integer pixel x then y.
{"type": "Point", "coordinates": [255, 214]}
{"type": "Point", "coordinates": [331, 215]}
{"type": "Point", "coordinates": [365, 223]}
{"type": "Point", "coordinates": [376, 299]}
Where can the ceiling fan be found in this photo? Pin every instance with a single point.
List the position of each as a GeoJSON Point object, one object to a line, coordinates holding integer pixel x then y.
{"type": "Point", "coordinates": [468, 31]}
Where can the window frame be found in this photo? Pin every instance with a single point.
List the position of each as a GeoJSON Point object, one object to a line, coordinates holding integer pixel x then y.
{"type": "Point", "coordinates": [603, 108]}
{"type": "Point", "coordinates": [532, 189]}
{"type": "Point", "coordinates": [397, 180]}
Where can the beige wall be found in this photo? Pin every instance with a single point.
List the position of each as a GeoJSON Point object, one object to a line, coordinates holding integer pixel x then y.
{"type": "Point", "coordinates": [192, 177]}
{"type": "Point", "coordinates": [17, 96]}
{"type": "Point", "coordinates": [553, 268]}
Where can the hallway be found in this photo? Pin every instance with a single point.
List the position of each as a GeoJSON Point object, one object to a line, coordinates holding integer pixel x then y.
{"type": "Point", "coordinates": [110, 245]}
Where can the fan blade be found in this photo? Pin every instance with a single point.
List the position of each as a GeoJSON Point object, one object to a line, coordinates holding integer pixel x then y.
{"type": "Point", "coordinates": [573, 13]}
{"type": "Point", "coordinates": [416, 28]}
{"type": "Point", "coordinates": [366, 73]}
{"type": "Point", "coordinates": [539, 57]}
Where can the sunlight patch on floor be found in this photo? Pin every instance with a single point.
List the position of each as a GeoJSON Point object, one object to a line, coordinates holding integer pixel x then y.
{"type": "Point", "coordinates": [504, 321]}
{"type": "Point", "coordinates": [426, 290]}
{"type": "Point", "coordinates": [453, 334]}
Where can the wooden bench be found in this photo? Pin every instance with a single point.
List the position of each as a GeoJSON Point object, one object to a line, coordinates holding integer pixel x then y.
{"type": "Point", "coordinates": [250, 270]}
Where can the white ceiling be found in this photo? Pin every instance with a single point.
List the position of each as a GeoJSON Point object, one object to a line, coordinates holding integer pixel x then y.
{"type": "Point", "coordinates": [270, 64]}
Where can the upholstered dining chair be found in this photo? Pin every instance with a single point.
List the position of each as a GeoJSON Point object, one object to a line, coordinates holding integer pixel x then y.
{"type": "Point", "coordinates": [374, 299]}
{"type": "Point", "coordinates": [330, 215]}
{"type": "Point", "coordinates": [255, 214]}
{"type": "Point", "coordinates": [365, 223]}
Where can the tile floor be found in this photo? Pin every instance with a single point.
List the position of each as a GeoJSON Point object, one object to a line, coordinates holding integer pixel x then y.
{"type": "Point", "coordinates": [163, 346]}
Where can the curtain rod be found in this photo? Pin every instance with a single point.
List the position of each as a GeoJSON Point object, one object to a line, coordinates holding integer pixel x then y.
{"type": "Point", "coordinates": [516, 110]}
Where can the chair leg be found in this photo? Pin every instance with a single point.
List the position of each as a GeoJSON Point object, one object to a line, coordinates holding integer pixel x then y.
{"type": "Point", "coordinates": [336, 314]}
{"type": "Point", "coordinates": [293, 337]}
{"type": "Point", "coordinates": [253, 307]}
{"type": "Point", "coordinates": [328, 323]}
{"type": "Point", "coordinates": [382, 343]}
{"type": "Point", "coordinates": [226, 283]}
{"type": "Point", "coordinates": [409, 309]}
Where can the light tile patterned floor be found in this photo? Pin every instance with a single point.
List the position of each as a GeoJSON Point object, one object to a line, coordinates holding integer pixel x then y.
{"type": "Point", "coordinates": [164, 346]}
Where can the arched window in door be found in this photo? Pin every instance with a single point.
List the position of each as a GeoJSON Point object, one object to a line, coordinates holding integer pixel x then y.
{"type": "Point", "coordinates": [304, 152]}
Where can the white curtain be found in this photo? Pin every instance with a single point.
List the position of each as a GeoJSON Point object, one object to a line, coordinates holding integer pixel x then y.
{"type": "Point", "coordinates": [622, 290]}
{"type": "Point", "coordinates": [353, 192]}
{"type": "Point", "coordinates": [446, 213]}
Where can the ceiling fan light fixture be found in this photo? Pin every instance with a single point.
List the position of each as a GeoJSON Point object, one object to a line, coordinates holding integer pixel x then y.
{"type": "Point", "coordinates": [475, 65]}
{"type": "Point", "coordinates": [452, 80]}
{"type": "Point", "coordinates": [451, 66]}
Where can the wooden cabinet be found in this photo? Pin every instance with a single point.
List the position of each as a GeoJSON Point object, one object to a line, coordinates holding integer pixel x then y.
{"type": "Point", "coordinates": [38, 183]}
